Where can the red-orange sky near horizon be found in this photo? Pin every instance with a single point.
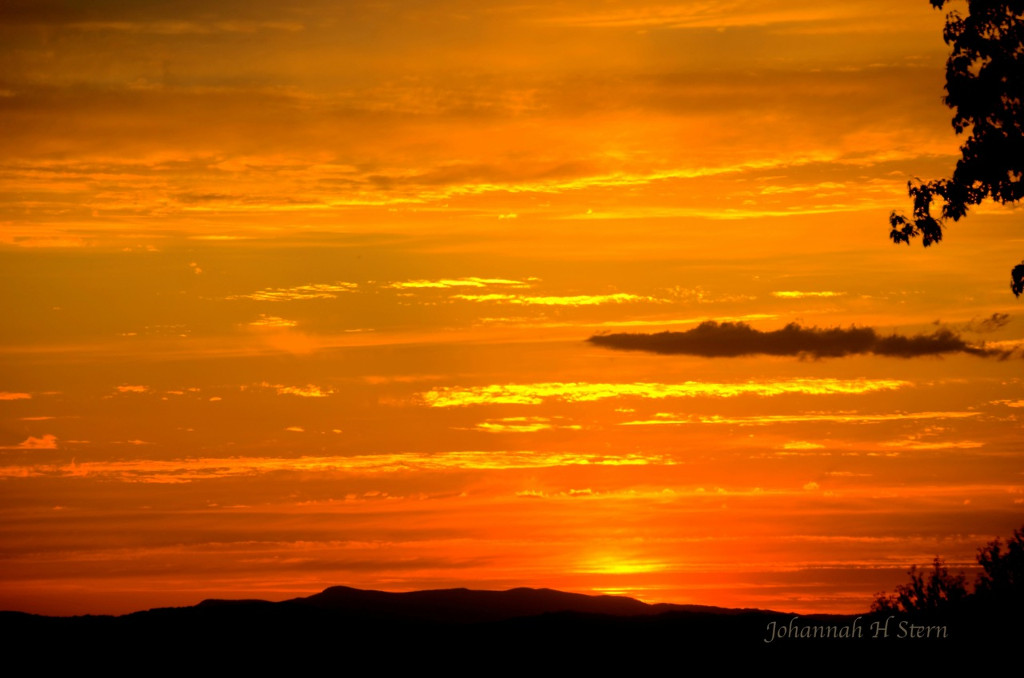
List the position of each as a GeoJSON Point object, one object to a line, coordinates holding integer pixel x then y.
{"type": "Point", "coordinates": [299, 296]}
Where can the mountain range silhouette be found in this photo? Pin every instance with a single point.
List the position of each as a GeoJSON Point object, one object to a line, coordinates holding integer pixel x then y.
{"type": "Point", "coordinates": [465, 631]}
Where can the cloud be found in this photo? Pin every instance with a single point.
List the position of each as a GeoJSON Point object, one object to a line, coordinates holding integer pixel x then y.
{"type": "Point", "coordinates": [523, 425]}
{"type": "Point", "coordinates": [307, 391]}
{"type": "Point", "coordinates": [272, 321]}
{"type": "Point", "coordinates": [802, 445]}
{"type": "Point", "coordinates": [186, 27]}
{"type": "Point", "coordinates": [7, 395]}
{"type": "Point", "coordinates": [914, 444]}
{"type": "Point", "coordinates": [758, 14]}
{"type": "Point", "coordinates": [721, 340]}
{"type": "Point", "coordinates": [577, 300]}
{"type": "Point", "coordinates": [763, 420]}
{"type": "Point", "coordinates": [132, 388]}
{"type": "Point", "coordinates": [535, 394]}
{"type": "Point", "coordinates": [795, 294]}
{"type": "Point", "coordinates": [45, 442]}
{"type": "Point", "coordinates": [991, 324]}
{"type": "Point", "coordinates": [299, 292]}
{"type": "Point", "coordinates": [208, 468]}
{"type": "Point", "coordinates": [448, 283]}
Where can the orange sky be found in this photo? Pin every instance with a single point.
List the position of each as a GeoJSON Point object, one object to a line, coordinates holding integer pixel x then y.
{"type": "Point", "coordinates": [300, 296]}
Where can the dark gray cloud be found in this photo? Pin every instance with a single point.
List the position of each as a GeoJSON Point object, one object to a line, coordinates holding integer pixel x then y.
{"type": "Point", "coordinates": [723, 340]}
{"type": "Point", "coordinates": [991, 324]}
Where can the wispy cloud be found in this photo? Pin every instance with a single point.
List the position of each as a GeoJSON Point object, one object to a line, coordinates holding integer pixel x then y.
{"type": "Point", "coordinates": [168, 27]}
{"type": "Point", "coordinates": [186, 470]}
{"type": "Point", "coordinates": [299, 292]}
{"type": "Point", "coordinates": [45, 442]}
{"type": "Point", "coordinates": [915, 444]}
{"type": "Point", "coordinates": [717, 340]}
{"type": "Point", "coordinates": [523, 425]}
{"type": "Point", "coordinates": [832, 417]}
{"type": "Point", "coordinates": [802, 445]}
{"type": "Point", "coordinates": [992, 323]}
{"type": "Point", "coordinates": [715, 15]}
{"type": "Point", "coordinates": [576, 300]}
{"type": "Point", "coordinates": [535, 394]}
{"type": "Point", "coordinates": [448, 283]}
{"type": "Point", "coordinates": [307, 391]}
{"type": "Point", "coordinates": [795, 294]}
{"type": "Point", "coordinates": [272, 321]}
{"type": "Point", "coordinates": [7, 395]}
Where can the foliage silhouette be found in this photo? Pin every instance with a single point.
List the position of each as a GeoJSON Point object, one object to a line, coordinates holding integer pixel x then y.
{"type": "Point", "coordinates": [1000, 583]}
{"type": "Point", "coordinates": [985, 88]}
{"type": "Point", "coordinates": [939, 591]}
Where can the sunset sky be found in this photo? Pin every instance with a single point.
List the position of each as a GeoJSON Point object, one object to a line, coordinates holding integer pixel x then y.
{"type": "Point", "coordinates": [300, 296]}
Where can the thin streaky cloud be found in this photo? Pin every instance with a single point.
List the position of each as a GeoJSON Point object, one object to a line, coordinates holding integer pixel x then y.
{"type": "Point", "coordinates": [299, 292]}
{"type": "Point", "coordinates": [209, 468]}
{"type": "Point", "coordinates": [838, 417]}
{"type": "Point", "coordinates": [535, 394]}
{"type": "Point", "coordinates": [448, 283]}
{"type": "Point", "coordinates": [721, 15]}
{"type": "Point", "coordinates": [47, 441]}
{"type": "Point", "coordinates": [272, 321]}
{"type": "Point", "coordinates": [934, 445]}
{"type": "Point", "coordinates": [796, 294]}
{"type": "Point", "coordinates": [307, 391]}
{"type": "Point", "coordinates": [523, 425]}
{"type": "Point", "coordinates": [576, 300]}
{"type": "Point", "coordinates": [994, 322]}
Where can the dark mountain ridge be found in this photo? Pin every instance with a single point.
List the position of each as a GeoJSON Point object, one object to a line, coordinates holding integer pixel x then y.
{"type": "Point", "coordinates": [469, 629]}
{"type": "Point", "coordinates": [463, 605]}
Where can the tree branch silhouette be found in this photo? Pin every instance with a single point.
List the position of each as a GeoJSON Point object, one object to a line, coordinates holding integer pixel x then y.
{"type": "Point", "coordinates": [985, 89]}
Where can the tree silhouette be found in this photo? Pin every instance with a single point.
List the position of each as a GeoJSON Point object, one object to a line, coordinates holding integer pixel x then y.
{"type": "Point", "coordinates": [985, 88]}
{"type": "Point", "coordinates": [939, 591]}
{"type": "Point", "coordinates": [1001, 581]}
{"type": "Point", "coordinates": [1000, 584]}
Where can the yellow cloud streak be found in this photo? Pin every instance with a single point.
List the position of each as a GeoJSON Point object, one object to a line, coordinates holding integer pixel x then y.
{"type": "Point", "coordinates": [535, 394]}
{"type": "Point", "coordinates": [186, 470]}
{"type": "Point", "coordinates": [523, 425]}
{"type": "Point", "coordinates": [307, 391]}
{"type": "Point", "coordinates": [457, 282]}
{"type": "Point", "coordinates": [299, 292]}
{"type": "Point", "coordinates": [272, 321]}
{"type": "Point", "coordinates": [838, 417]}
{"type": "Point", "coordinates": [578, 300]}
{"type": "Point", "coordinates": [794, 294]}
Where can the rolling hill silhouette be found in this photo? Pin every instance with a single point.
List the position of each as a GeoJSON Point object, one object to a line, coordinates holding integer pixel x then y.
{"type": "Point", "coordinates": [470, 606]}
{"type": "Point", "coordinates": [465, 630]}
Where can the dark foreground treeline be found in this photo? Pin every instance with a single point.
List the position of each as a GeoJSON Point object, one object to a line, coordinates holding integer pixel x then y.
{"type": "Point", "coordinates": [483, 632]}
